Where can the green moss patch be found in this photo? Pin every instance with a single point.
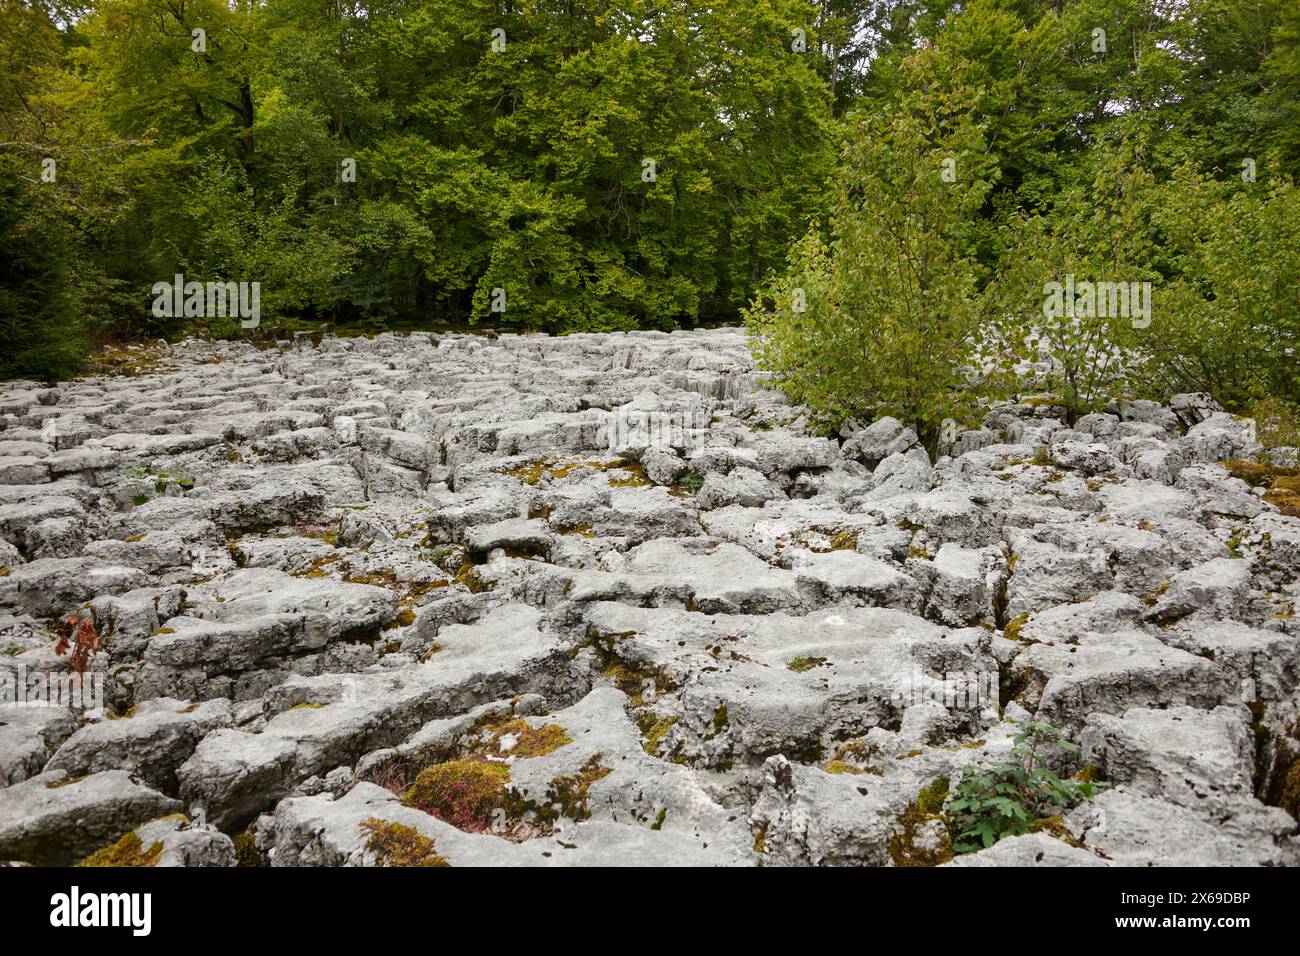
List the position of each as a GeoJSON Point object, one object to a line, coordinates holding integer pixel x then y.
{"type": "Point", "coordinates": [395, 844]}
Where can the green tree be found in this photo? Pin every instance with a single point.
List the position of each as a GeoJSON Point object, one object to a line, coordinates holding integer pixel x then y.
{"type": "Point", "coordinates": [39, 325]}
{"type": "Point", "coordinates": [881, 314]}
{"type": "Point", "coordinates": [1228, 322]}
{"type": "Point", "coordinates": [1099, 234]}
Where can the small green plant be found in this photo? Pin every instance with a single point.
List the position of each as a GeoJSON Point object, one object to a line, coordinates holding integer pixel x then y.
{"type": "Point", "coordinates": [691, 482]}
{"type": "Point", "coordinates": [154, 481]}
{"type": "Point", "coordinates": [992, 801]}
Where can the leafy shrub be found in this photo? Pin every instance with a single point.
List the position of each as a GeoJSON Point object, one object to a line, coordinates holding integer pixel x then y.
{"type": "Point", "coordinates": [1004, 799]}
{"type": "Point", "coordinates": [1228, 323]}
{"type": "Point", "coordinates": [879, 314]}
{"type": "Point", "coordinates": [1094, 234]}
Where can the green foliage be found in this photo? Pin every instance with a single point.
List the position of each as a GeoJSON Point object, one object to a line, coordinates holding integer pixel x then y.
{"type": "Point", "coordinates": [691, 482]}
{"type": "Point", "coordinates": [881, 313]}
{"type": "Point", "coordinates": [41, 335]}
{"type": "Point", "coordinates": [1228, 323]}
{"type": "Point", "coordinates": [518, 169]}
{"type": "Point", "coordinates": [992, 801]}
{"type": "Point", "coordinates": [1098, 234]}
{"type": "Point", "coordinates": [521, 172]}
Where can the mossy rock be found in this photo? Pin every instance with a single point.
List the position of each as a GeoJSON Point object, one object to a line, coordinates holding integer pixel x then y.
{"type": "Point", "coordinates": [840, 766]}
{"type": "Point", "coordinates": [654, 733]}
{"type": "Point", "coordinates": [1260, 475]}
{"type": "Point", "coordinates": [462, 792]}
{"type": "Point", "coordinates": [568, 796]}
{"type": "Point", "coordinates": [517, 738]}
{"type": "Point", "coordinates": [930, 799]}
{"type": "Point", "coordinates": [395, 844]}
{"type": "Point", "coordinates": [128, 851]}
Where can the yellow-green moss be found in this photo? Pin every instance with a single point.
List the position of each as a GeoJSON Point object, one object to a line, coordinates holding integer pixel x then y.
{"type": "Point", "coordinates": [839, 766]}
{"type": "Point", "coordinates": [1286, 501]}
{"type": "Point", "coordinates": [1258, 474]}
{"type": "Point", "coordinates": [760, 838]}
{"type": "Point", "coordinates": [655, 733]}
{"type": "Point", "coordinates": [854, 757]}
{"type": "Point", "coordinates": [1154, 597]}
{"type": "Point", "coordinates": [1055, 827]}
{"type": "Point", "coordinates": [636, 478]}
{"type": "Point", "coordinates": [930, 799]}
{"type": "Point", "coordinates": [316, 568]}
{"type": "Point", "coordinates": [568, 796]}
{"type": "Point", "coordinates": [395, 844]}
{"type": "Point", "coordinates": [128, 851]}
{"type": "Point", "coordinates": [902, 845]}
{"type": "Point", "coordinates": [56, 784]}
{"type": "Point", "coordinates": [720, 721]}
{"type": "Point", "coordinates": [405, 618]}
{"type": "Point", "coordinates": [1012, 631]}
{"type": "Point", "coordinates": [530, 741]}
{"type": "Point", "coordinates": [383, 578]}
{"type": "Point", "coordinates": [468, 575]}
{"type": "Point", "coordinates": [246, 854]}
{"type": "Point", "coordinates": [801, 664]}
{"type": "Point", "coordinates": [845, 540]}
{"type": "Point", "coordinates": [632, 680]}
{"type": "Point", "coordinates": [531, 473]}
{"type": "Point", "coordinates": [926, 807]}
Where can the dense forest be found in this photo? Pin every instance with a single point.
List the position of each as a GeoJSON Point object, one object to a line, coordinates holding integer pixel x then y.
{"type": "Point", "coordinates": [882, 189]}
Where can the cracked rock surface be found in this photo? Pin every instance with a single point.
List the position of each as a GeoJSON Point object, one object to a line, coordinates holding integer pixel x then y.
{"type": "Point", "coordinates": [605, 599]}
